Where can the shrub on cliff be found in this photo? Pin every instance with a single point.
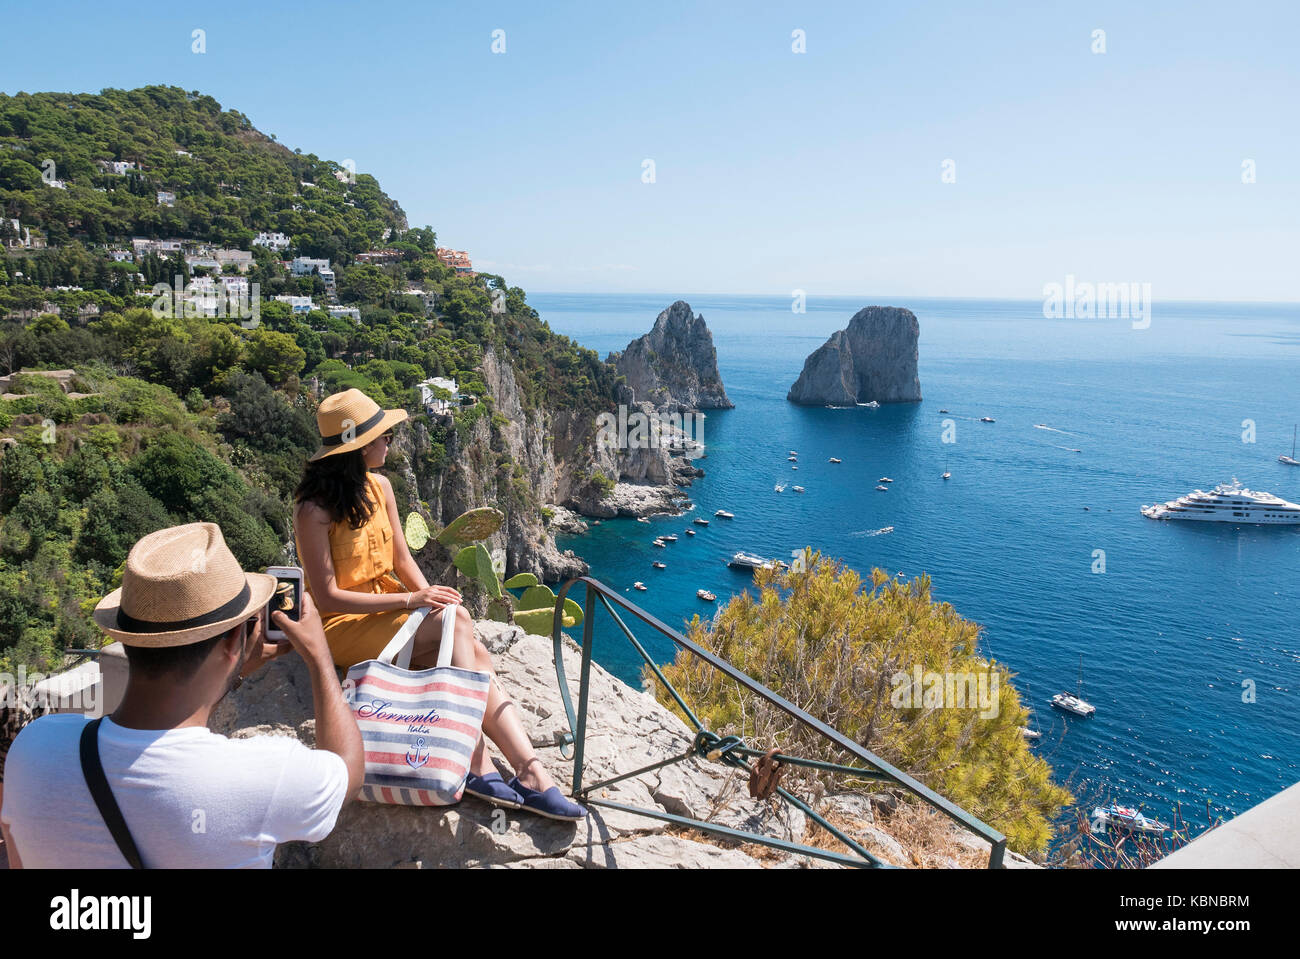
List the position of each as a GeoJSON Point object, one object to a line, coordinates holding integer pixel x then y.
{"type": "Point", "coordinates": [845, 651]}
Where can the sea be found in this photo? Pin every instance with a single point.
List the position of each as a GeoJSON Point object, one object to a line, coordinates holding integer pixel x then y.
{"type": "Point", "coordinates": [1183, 635]}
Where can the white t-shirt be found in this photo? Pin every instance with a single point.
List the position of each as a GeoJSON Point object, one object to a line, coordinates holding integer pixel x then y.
{"type": "Point", "coordinates": [191, 798]}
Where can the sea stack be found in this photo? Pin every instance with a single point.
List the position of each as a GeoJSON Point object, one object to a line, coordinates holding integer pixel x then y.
{"type": "Point", "coordinates": [874, 359]}
{"type": "Point", "coordinates": [674, 366]}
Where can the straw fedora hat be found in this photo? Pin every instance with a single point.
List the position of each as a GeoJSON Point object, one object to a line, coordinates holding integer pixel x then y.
{"type": "Point", "coordinates": [349, 420]}
{"type": "Point", "coordinates": [181, 585]}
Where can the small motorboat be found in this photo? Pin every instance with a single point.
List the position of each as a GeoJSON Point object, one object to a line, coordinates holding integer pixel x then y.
{"type": "Point", "coordinates": [1290, 460]}
{"type": "Point", "coordinates": [659, 565]}
{"type": "Point", "coordinates": [873, 405]}
{"type": "Point", "coordinates": [661, 544]}
{"type": "Point", "coordinates": [1126, 819]}
{"type": "Point", "coordinates": [639, 585]}
{"type": "Point", "coordinates": [793, 453]}
{"type": "Point", "coordinates": [724, 514]}
{"type": "Point", "coordinates": [792, 458]}
{"type": "Point", "coordinates": [883, 489]}
{"type": "Point", "coordinates": [1033, 735]}
{"type": "Point", "coordinates": [670, 538]}
{"type": "Point", "coordinates": [943, 411]}
{"type": "Point", "coordinates": [700, 521]}
{"type": "Point", "coordinates": [884, 479]}
{"type": "Point", "coordinates": [794, 467]}
{"type": "Point", "coordinates": [643, 519]}
{"type": "Point", "coordinates": [798, 489]}
{"type": "Point", "coordinates": [705, 594]}
{"type": "Point", "coordinates": [835, 459]}
{"type": "Point", "coordinates": [987, 419]}
{"type": "Point", "coordinates": [690, 532]}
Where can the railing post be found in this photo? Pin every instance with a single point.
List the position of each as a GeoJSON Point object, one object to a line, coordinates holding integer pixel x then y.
{"type": "Point", "coordinates": [579, 746]}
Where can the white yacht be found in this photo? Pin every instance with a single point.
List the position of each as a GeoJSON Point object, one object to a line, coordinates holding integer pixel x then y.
{"type": "Point", "coordinates": [1073, 704]}
{"type": "Point", "coordinates": [1125, 819]}
{"type": "Point", "coordinates": [1228, 503]}
{"type": "Point", "coordinates": [724, 514]}
{"type": "Point", "coordinates": [798, 489]}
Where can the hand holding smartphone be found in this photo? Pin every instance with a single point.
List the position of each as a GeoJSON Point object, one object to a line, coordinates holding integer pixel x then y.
{"type": "Point", "coordinates": [287, 598]}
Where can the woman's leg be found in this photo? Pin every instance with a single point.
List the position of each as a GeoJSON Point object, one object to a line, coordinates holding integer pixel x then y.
{"type": "Point", "coordinates": [501, 720]}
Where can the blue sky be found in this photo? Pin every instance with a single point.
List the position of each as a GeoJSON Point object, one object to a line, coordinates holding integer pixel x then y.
{"type": "Point", "coordinates": [774, 170]}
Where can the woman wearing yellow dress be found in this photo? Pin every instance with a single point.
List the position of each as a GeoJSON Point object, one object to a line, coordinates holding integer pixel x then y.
{"type": "Point", "coordinates": [365, 584]}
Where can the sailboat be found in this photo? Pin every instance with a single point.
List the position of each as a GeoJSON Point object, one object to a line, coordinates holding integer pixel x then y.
{"type": "Point", "coordinates": [946, 474]}
{"type": "Point", "coordinates": [1075, 704]}
{"type": "Point", "coordinates": [1290, 460]}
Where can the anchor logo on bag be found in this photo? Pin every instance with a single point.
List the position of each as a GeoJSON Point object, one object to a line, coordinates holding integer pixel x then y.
{"type": "Point", "coordinates": [417, 756]}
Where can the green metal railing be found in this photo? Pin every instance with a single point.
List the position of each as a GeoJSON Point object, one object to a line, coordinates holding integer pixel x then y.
{"type": "Point", "coordinates": [730, 750]}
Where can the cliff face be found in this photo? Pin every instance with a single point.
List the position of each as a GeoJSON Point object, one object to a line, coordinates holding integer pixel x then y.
{"type": "Point", "coordinates": [874, 359]}
{"type": "Point", "coordinates": [674, 366]}
{"type": "Point", "coordinates": [527, 456]}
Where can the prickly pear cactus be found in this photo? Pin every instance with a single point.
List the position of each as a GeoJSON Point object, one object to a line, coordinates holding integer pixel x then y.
{"type": "Point", "coordinates": [471, 526]}
{"type": "Point", "coordinates": [417, 531]}
{"type": "Point", "coordinates": [476, 563]}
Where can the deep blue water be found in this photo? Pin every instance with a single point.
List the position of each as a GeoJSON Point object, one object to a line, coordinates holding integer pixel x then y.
{"type": "Point", "coordinates": [1182, 615]}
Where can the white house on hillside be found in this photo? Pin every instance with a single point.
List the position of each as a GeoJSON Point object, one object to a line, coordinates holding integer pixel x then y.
{"type": "Point", "coordinates": [299, 304]}
{"type": "Point", "coordinates": [276, 241]}
{"type": "Point", "coordinates": [432, 403]}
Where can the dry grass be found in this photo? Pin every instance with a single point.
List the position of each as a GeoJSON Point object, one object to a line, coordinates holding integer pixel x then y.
{"type": "Point", "coordinates": [930, 840]}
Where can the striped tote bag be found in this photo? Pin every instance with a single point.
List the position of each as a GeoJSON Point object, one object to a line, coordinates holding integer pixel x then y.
{"type": "Point", "coordinates": [419, 726]}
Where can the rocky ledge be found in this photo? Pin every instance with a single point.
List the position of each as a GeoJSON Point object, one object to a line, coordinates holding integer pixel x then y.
{"type": "Point", "coordinates": [627, 729]}
{"type": "Point", "coordinates": [874, 359]}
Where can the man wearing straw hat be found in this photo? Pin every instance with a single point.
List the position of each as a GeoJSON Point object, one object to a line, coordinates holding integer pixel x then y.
{"type": "Point", "coordinates": [151, 785]}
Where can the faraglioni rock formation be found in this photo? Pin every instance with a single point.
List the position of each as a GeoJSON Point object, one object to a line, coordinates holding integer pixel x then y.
{"type": "Point", "coordinates": [873, 360]}
{"type": "Point", "coordinates": [674, 366]}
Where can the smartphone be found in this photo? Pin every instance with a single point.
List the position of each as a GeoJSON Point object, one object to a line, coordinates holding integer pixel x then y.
{"type": "Point", "coordinates": [287, 598]}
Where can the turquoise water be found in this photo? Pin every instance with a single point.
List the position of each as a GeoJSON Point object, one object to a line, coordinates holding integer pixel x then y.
{"type": "Point", "coordinates": [1182, 615]}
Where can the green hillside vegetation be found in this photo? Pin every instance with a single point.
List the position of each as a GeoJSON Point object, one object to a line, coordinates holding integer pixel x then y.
{"type": "Point", "coordinates": [236, 183]}
{"type": "Point", "coordinates": [832, 644]}
{"type": "Point", "coordinates": [191, 417]}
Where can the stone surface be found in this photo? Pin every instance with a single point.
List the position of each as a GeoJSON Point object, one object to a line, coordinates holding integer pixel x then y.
{"type": "Point", "coordinates": [627, 729]}
{"type": "Point", "coordinates": [674, 366]}
{"type": "Point", "coordinates": [875, 358]}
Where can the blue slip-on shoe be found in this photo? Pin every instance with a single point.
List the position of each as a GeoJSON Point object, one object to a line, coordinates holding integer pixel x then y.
{"type": "Point", "coordinates": [492, 788]}
{"type": "Point", "coordinates": [552, 804]}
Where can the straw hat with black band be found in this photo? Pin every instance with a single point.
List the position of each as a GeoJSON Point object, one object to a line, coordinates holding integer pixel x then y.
{"type": "Point", "coordinates": [181, 585]}
{"type": "Point", "coordinates": [349, 420]}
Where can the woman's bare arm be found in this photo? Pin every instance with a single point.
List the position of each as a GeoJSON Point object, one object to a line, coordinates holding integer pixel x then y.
{"type": "Point", "coordinates": [312, 525]}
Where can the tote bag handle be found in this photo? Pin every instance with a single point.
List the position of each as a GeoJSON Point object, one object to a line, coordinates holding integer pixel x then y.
{"type": "Point", "coordinates": [399, 648]}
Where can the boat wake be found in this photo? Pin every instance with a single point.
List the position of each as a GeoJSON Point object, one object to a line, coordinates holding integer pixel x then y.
{"type": "Point", "coordinates": [873, 532]}
{"type": "Point", "coordinates": [1070, 449]}
{"type": "Point", "coordinates": [1051, 429]}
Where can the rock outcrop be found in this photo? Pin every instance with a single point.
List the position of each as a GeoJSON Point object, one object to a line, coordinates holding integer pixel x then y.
{"type": "Point", "coordinates": [674, 366]}
{"type": "Point", "coordinates": [874, 359]}
{"type": "Point", "coordinates": [627, 729]}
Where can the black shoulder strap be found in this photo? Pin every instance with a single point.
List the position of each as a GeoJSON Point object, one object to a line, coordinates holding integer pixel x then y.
{"type": "Point", "coordinates": [93, 770]}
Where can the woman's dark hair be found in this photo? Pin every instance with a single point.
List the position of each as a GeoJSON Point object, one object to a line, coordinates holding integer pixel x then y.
{"type": "Point", "coordinates": [337, 484]}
